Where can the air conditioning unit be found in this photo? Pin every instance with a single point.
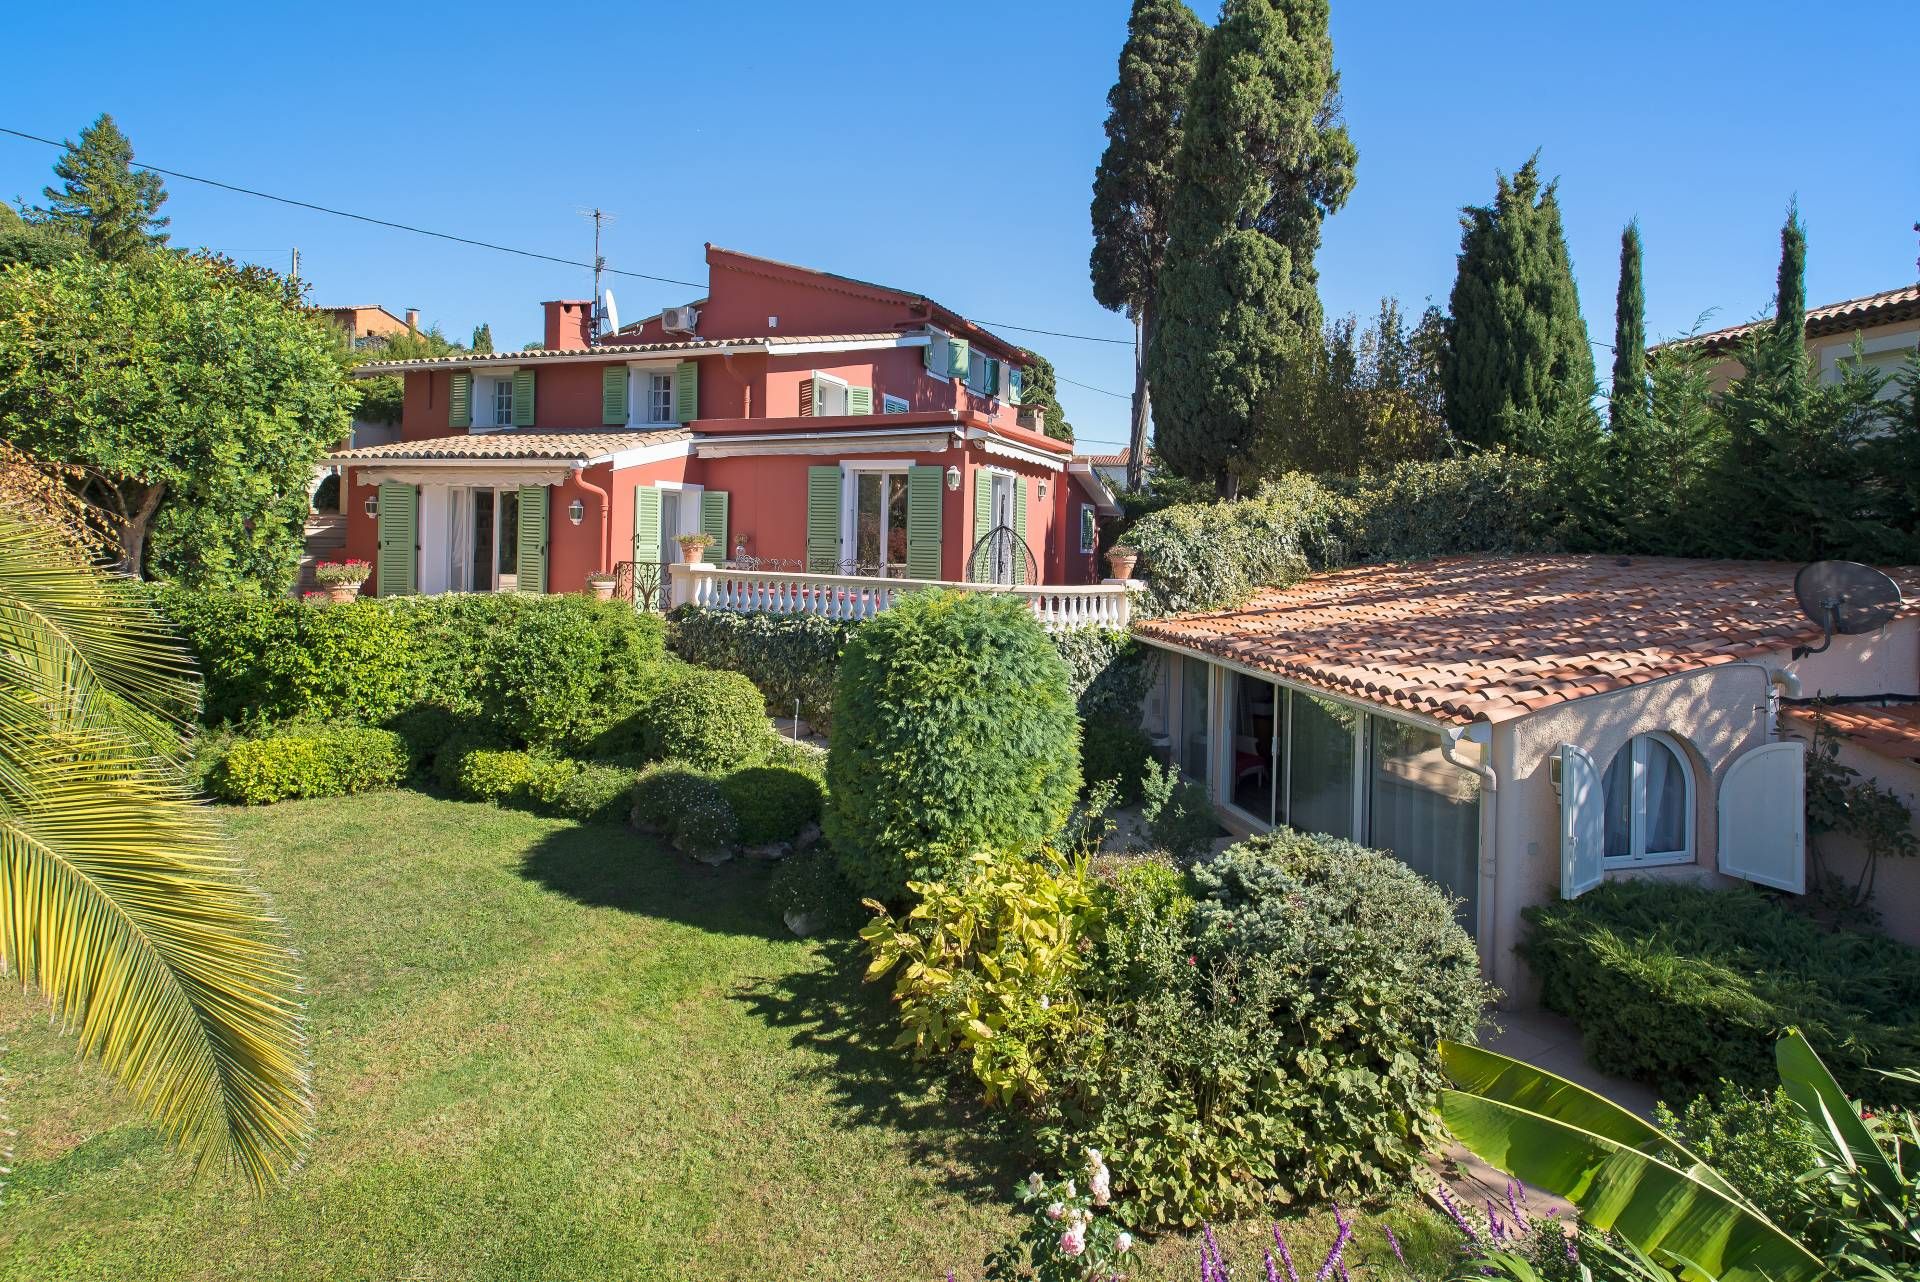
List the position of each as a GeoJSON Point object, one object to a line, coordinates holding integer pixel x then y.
{"type": "Point", "coordinates": [679, 320]}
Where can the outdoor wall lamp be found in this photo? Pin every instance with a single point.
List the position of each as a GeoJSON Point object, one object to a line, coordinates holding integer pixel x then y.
{"type": "Point", "coordinates": [372, 505]}
{"type": "Point", "coordinates": [576, 511]}
{"type": "Point", "coordinates": [1043, 489]}
{"type": "Point", "coordinates": [953, 478]}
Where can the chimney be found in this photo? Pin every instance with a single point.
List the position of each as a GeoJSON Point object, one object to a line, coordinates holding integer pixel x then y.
{"type": "Point", "coordinates": [413, 320]}
{"type": "Point", "coordinates": [569, 322]}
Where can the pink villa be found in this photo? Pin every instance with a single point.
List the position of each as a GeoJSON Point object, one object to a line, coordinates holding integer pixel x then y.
{"type": "Point", "coordinates": [829, 435]}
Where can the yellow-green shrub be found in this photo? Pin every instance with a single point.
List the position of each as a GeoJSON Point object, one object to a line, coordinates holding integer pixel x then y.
{"type": "Point", "coordinates": [309, 761]}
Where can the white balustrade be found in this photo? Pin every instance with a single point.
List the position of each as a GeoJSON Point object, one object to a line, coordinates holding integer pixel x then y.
{"type": "Point", "coordinates": [851, 596]}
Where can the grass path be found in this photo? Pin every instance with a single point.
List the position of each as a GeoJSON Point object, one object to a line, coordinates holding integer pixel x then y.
{"type": "Point", "coordinates": [542, 1051]}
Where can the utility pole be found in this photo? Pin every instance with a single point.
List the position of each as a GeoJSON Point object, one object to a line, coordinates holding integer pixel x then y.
{"type": "Point", "coordinates": [293, 272]}
{"type": "Point", "coordinates": [599, 265]}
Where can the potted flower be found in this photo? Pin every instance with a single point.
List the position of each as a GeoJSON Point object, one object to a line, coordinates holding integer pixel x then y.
{"type": "Point", "coordinates": [693, 547]}
{"type": "Point", "coordinates": [342, 579]}
{"type": "Point", "coordinates": [1121, 559]}
{"type": "Point", "coordinates": [316, 597]}
{"type": "Point", "coordinates": [601, 585]}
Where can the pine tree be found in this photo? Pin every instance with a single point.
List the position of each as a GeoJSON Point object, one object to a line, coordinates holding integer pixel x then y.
{"type": "Point", "coordinates": [1517, 347]}
{"type": "Point", "coordinates": [1133, 187]}
{"type": "Point", "coordinates": [482, 338]}
{"type": "Point", "coordinates": [1039, 389]}
{"type": "Point", "coordinates": [102, 198]}
{"type": "Point", "coordinates": [1627, 403]}
{"type": "Point", "coordinates": [1264, 159]}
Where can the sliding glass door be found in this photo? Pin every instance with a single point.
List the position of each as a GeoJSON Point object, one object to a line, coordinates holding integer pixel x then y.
{"type": "Point", "coordinates": [1259, 713]}
{"type": "Point", "coordinates": [1194, 676]}
{"type": "Point", "coordinates": [1320, 777]}
{"type": "Point", "coordinates": [1424, 809]}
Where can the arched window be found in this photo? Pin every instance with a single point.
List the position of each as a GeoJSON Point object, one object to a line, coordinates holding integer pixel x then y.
{"type": "Point", "coordinates": [1649, 803]}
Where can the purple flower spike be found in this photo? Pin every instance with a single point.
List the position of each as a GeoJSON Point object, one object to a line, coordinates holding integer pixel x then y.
{"type": "Point", "coordinates": [1394, 1242]}
{"type": "Point", "coordinates": [1512, 1204]}
{"type": "Point", "coordinates": [1453, 1210]}
{"type": "Point", "coordinates": [1210, 1251]}
{"type": "Point", "coordinates": [1273, 1274]}
{"type": "Point", "coordinates": [1333, 1256]}
{"type": "Point", "coordinates": [1286, 1256]}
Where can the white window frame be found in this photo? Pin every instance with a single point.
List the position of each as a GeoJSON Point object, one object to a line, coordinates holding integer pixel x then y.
{"type": "Point", "coordinates": [850, 472]}
{"type": "Point", "coordinates": [1637, 855]}
{"type": "Point", "coordinates": [833, 380]}
{"type": "Point", "coordinates": [486, 392]}
{"type": "Point", "coordinates": [639, 393]}
{"type": "Point", "coordinates": [1089, 529]}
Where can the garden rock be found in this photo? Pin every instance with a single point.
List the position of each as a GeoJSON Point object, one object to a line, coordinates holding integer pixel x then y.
{"type": "Point", "coordinates": [808, 838]}
{"type": "Point", "coordinates": [712, 856]}
{"type": "Point", "coordinates": [769, 853]}
{"type": "Point", "coordinates": [802, 924]}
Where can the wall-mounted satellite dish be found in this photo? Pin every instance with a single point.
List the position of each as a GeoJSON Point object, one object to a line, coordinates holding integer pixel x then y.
{"type": "Point", "coordinates": [1845, 598]}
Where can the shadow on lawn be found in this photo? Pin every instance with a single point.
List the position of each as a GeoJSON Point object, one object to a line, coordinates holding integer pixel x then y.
{"type": "Point", "coordinates": [830, 1012]}
{"type": "Point", "coordinates": [605, 865]}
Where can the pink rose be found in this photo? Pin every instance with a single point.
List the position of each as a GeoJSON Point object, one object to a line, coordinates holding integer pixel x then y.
{"type": "Point", "coordinates": [1056, 1211]}
{"type": "Point", "coordinates": [1072, 1242]}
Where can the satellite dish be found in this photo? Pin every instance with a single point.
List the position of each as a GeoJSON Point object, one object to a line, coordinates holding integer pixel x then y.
{"type": "Point", "coordinates": [612, 313]}
{"type": "Point", "coordinates": [1845, 598]}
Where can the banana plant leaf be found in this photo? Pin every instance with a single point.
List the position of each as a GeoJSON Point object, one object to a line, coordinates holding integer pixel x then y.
{"type": "Point", "coordinates": [1837, 1128]}
{"type": "Point", "coordinates": [1673, 1215]}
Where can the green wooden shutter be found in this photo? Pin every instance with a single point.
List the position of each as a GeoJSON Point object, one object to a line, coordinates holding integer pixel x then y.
{"type": "Point", "coordinates": [1013, 381]}
{"type": "Point", "coordinates": [460, 400]}
{"type": "Point", "coordinates": [993, 377]}
{"type": "Point", "coordinates": [957, 357]}
{"type": "Point", "coordinates": [398, 559]}
{"type": "Point", "coordinates": [613, 396]}
{"type": "Point", "coordinates": [713, 523]}
{"type": "Point", "coordinates": [859, 400]}
{"type": "Point", "coordinates": [823, 519]}
{"type": "Point", "coordinates": [982, 568]}
{"type": "Point", "coordinates": [533, 537]}
{"type": "Point", "coordinates": [1020, 529]}
{"type": "Point", "coordinates": [809, 397]}
{"type": "Point", "coordinates": [646, 524]}
{"type": "Point", "coordinates": [934, 353]}
{"type": "Point", "coordinates": [925, 491]}
{"type": "Point", "coordinates": [686, 391]}
{"type": "Point", "coordinates": [523, 398]}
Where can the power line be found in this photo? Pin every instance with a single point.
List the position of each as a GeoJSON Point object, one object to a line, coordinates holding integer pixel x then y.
{"type": "Point", "coordinates": [367, 218]}
{"type": "Point", "coordinates": [1118, 396]}
{"type": "Point", "coordinates": [1085, 338]}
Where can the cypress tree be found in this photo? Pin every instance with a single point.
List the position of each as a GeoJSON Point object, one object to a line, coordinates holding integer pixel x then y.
{"type": "Point", "coordinates": [1263, 160]}
{"type": "Point", "coordinates": [1133, 186]}
{"type": "Point", "coordinates": [102, 198]}
{"type": "Point", "coordinates": [482, 338]}
{"type": "Point", "coordinates": [1789, 330]}
{"type": "Point", "coordinates": [1517, 347]}
{"type": "Point", "coordinates": [1627, 405]}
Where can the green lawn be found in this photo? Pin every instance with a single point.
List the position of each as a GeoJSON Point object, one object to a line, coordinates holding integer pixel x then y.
{"type": "Point", "coordinates": [542, 1051]}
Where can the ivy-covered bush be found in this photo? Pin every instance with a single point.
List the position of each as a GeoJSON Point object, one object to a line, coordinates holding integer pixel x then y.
{"type": "Point", "coordinates": [772, 803]}
{"type": "Point", "coordinates": [709, 719]}
{"type": "Point", "coordinates": [685, 806]}
{"type": "Point", "coordinates": [1107, 671]}
{"type": "Point", "coordinates": [309, 761]}
{"type": "Point", "coordinates": [1209, 556]}
{"type": "Point", "coordinates": [1272, 1035]}
{"type": "Point", "coordinates": [954, 732]}
{"type": "Point", "coordinates": [1488, 501]}
{"type": "Point", "coordinates": [792, 658]}
{"type": "Point", "coordinates": [1680, 987]}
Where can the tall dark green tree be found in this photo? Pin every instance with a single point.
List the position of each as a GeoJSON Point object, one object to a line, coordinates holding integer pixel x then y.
{"type": "Point", "coordinates": [1517, 347]}
{"type": "Point", "coordinates": [1627, 402]}
{"type": "Point", "coordinates": [1264, 159]}
{"type": "Point", "coordinates": [1133, 187]}
{"type": "Point", "coordinates": [1788, 334]}
{"type": "Point", "coordinates": [1039, 389]}
{"type": "Point", "coordinates": [102, 198]}
{"type": "Point", "coordinates": [482, 338]}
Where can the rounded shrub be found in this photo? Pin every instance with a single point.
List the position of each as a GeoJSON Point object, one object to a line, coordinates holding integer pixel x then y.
{"type": "Point", "coordinates": [540, 677]}
{"type": "Point", "coordinates": [954, 730]}
{"type": "Point", "coordinates": [685, 807]}
{"type": "Point", "coordinates": [309, 761]}
{"type": "Point", "coordinates": [772, 803]}
{"type": "Point", "coordinates": [597, 792]}
{"type": "Point", "coordinates": [711, 720]}
{"type": "Point", "coordinates": [498, 775]}
{"type": "Point", "coordinates": [450, 759]}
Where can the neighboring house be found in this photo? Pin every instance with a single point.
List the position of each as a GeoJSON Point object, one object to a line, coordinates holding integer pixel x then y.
{"type": "Point", "coordinates": [1887, 326]}
{"type": "Point", "coordinates": [809, 422]}
{"type": "Point", "coordinates": [368, 326]}
{"type": "Point", "coordinates": [1112, 468]}
{"type": "Point", "coordinates": [1519, 728]}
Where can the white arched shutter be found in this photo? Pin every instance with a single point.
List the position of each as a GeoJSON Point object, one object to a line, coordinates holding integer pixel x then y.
{"type": "Point", "coordinates": [1583, 826]}
{"type": "Point", "coordinates": [1763, 817]}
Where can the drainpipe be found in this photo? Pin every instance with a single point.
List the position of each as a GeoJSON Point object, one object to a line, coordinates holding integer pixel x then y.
{"type": "Point", "coordinates": [1481, 733]}
{"type": "Point", "coordinates": [606, 518]}
{"type": "Point", "coordinates": [1773, 675]}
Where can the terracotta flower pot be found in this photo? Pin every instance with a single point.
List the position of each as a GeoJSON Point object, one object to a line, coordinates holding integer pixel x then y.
{"type": "Point", "coordinates": [341, 593]}
{"type": "Point", "coordinates": [1122, 563]}
{"type": "Point", "coordinates": [602, 589]}
{"type": "Point", "coordinates": [693, 553]}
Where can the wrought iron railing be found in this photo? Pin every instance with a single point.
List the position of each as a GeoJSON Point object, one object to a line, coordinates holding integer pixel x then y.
{"type": "Point", "coordinates": [646, 585]}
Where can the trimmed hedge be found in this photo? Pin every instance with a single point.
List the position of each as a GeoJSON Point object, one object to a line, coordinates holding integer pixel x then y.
{"type": "Point", "coordinates": [544, 671]}
{"type": "Point", "coordinates": [791, 658]}
{"type": "Point", "coordinates": [1682, 987]}
{"type": "Point", "coordinates": [772, 803]}
{"type": "Point", "coordinates": [309, 761]}
{"type": "Point", "coordinates": [597, 792]}
{"type": "Point", "coordinates": [708, 719]}
{"type": "Point", "coordinates": [955, 731]}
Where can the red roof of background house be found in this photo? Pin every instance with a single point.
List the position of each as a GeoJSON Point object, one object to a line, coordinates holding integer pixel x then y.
{"type": "Point", "coordinates": [1492, 638]}
{"type": "Point", "coordinates": [1834, 318]}
{"type": "Point", "coordinates": [1105, 460]}
{"type": "Point", "coordinates": [1892, 731]}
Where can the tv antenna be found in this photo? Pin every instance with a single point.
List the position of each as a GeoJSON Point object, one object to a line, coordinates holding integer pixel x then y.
{"type": "Point", "coordinates": [600, 218]}
{"type": "Point", "coordinates": [1845, 598]}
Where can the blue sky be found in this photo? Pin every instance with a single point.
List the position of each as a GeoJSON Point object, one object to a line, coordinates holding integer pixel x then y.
{"type": "Point", "coordinates": [951, 151]}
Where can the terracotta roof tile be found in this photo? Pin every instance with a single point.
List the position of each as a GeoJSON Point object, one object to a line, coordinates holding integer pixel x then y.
{"type": "Point", "coordinates": [613, 351]}
{"type": "Point", "coordinates": [1892, 731]}
{"type": "Point", "coordinates": [1835, 318]}
{"type": "Point", "coordinates": [514, 445]}
{"type": "Point", "coordinates": [1490, 638]}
